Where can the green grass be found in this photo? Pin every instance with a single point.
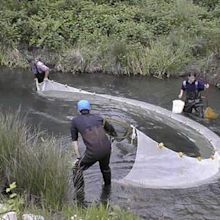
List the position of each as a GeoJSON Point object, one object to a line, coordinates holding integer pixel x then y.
{"type": "Point", "coordinates": [91, 213]}
{"type": "Point", "coordinates": [38, 166]}
{"type": "Point", "coordinates": [41, 169]}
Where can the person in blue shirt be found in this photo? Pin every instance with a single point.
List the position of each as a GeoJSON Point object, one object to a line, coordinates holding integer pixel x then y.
{"type": "Point", "coordinates": [192, 89]}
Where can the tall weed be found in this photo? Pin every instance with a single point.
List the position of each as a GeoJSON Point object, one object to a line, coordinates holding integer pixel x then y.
{"type": "Point", "coordinates": [36, 162]}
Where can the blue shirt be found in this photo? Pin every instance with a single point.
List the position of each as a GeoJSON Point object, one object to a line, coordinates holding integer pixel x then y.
{"type": "Point", "coordinates": [193, 89]}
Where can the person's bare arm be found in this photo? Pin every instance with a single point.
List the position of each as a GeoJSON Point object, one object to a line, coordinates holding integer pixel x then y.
{"type": "Point", "coordinates": [181, 94]}
{"type": "Point", "coordinates": [37, 84]}
{"type": "Point", "coordinates": [74, 135]}
{"type": "Point", "coordinates": [46, 74]}
{"type": "Point", "coordinates": [75, 147]}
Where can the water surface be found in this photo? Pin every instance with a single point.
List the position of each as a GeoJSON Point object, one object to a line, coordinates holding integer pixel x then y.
{"type": "Point", "coordinates": [17, 90]}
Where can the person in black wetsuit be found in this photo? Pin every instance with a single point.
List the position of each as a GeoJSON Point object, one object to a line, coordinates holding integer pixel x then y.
{"type": "Point", "coordinates": [93, 130]}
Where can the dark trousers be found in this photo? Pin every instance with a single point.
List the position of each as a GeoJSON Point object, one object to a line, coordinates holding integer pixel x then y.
{"type": "Point", "coordinates": [196, 104]}
{"type": "Point", "coordinates": [40, 77]}
{"type": "Point", "coordinates": [84, 164]}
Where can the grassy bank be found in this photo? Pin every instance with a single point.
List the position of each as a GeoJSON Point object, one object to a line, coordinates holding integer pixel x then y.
{"type": "Point", "coordinates": [91, 213]}
{"type": "Point", "coordinates": [37, 163]}
{"type": "Point", "coordinates": [147, 37]}
{"type": "Point", "coordinates": [40, 167]}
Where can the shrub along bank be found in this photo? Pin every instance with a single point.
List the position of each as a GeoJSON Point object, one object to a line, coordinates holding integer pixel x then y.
{"type": "Point", "coordinates": [146, 37]}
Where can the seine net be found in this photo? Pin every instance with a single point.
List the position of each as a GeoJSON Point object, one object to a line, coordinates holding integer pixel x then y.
{"type": "Point", "coordinates": [155, 165]}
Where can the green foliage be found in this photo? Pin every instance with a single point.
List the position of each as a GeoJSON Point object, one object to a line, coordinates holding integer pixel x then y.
{"type": "Point", "coordinates": [162, 59]}
{"type": "Point", "coordinates": [39, 166]}
{"type": "Point", "coordinates": [90, 213]}
{"type": "Point", "coordinates": [10, 32]}
{"type": "Point", "coordinates": [14, 202]}
{"type": "Point", "coordinates": [11, 57]}
{"type": "Point", "coordinates": [207, 3]}
{"type": "Point", "coordinates": [92, 27]}
{"type": "Point", "coordinates": [98, 212]}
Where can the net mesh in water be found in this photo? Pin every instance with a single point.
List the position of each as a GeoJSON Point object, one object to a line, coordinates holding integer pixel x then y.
{"type": "Point", "coordinates": [157, 167]}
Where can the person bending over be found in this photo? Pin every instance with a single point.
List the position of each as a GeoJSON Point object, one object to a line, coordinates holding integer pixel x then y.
{"type": "Point", "coordinates": [40, 70]}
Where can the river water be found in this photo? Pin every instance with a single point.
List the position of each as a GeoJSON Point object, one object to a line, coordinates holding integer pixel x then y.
{"type": "Point", "coordinates": [17, 90]}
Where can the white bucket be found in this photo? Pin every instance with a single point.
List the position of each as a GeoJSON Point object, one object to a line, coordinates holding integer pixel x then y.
{"type": "Point", "coordinates": [178, 106]}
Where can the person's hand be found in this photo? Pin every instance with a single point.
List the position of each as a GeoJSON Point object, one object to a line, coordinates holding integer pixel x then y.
{"type": "Point", "coordinates": [46, 79]}
{"type": "Point", "coordinates": [76, 162]}
{"type": "Point", "coordinates": [179, 96]}
{"type": "Point", "coordinates": [207, 86]}
{"type": "Point", "coordinates": [112, 139]}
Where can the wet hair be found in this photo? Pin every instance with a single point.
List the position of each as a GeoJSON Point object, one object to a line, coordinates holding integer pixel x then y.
{"type": "Point", "coordinates": [32, 60]}
{"type": "Point", "coordinates": [84, 111]}
{"type": "Point", "coordinates": [192, 74]}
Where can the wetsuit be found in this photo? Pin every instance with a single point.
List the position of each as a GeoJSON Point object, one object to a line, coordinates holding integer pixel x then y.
{"type": "Point", "coordinates": [98, 146]}
{"type": "Point", "coordinates": [193, 95]}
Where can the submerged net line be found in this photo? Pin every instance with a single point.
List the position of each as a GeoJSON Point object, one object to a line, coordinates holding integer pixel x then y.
{"type": "Point", "coordinates": [156, 166]}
